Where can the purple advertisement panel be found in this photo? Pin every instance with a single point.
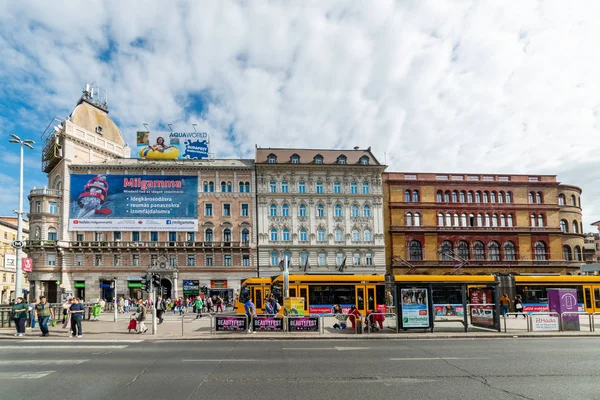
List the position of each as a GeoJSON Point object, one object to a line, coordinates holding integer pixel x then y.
{"type": "Point", "coordinates": [230, 324]}
{"type": "Point", "coordinates": [267, 324]}
{"type": "Point", "coordinates": [565, 301]}
{"type": "Point", "coordinates": [306, 324]}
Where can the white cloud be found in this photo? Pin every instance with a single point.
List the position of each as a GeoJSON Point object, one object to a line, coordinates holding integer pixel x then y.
{"type": "Point", "coordinates": [437, 86]}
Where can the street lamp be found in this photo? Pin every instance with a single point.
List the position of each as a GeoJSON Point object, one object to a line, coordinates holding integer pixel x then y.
{"type": "Point", "coordinates": [19, 283]}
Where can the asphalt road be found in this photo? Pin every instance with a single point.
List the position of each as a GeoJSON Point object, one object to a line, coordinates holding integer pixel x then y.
{"type": "Point", "coordinates": [301, 369]}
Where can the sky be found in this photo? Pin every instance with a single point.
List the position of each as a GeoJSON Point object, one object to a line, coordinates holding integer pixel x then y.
{"type": "Point", "coordinates": [432, 86]}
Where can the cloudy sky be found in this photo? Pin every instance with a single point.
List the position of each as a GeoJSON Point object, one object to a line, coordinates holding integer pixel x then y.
{"type": "Point", "coordinates": [462, 86]}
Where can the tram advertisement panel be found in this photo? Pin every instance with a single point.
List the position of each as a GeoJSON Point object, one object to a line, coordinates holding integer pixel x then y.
{"type": "Point", "coordinates": [482, 307]}
{"type": "Point", "coordinates": [415, 308]}
{"type": "Point", "coordinates": [230, 324]}
{"type": "Point", "coordinates": [267, 324]}
{"type": "Point", "coordinates": [306, 324]}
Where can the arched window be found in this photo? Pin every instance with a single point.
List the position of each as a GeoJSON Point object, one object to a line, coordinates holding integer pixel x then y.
{"type": "Point", "coordinates": [273, 210]}
{"type": "Point", "coordinates": [321, 235]}
{"type": "Point", "coordinates": [575, 227]}
{"type": "Point", "coordinates": [223, 186]}
{"type": "Point", "coordinates": [208, 235]}
{"type": "Point", "coordinates": [462, 197]}
{"type": "Point", "coordinates": [274, 234]}
{"type": "Point", "coordinates": [355, 235]}
{"type": "Point", "coordinates": [211, 186]}
{"type": "Point", "coordinates": [338, 211]}
{"type": "Point", "coordinates": [341, 159]}
{"type": "Point", "coordinates": [286, 235]}
{"type": "Point", "coordinates": [447, 197]}
{"type": "Point", "coordinates": [295, 159]}
{"type": "Point", "coordinates": [272, 159]}
{"type": "Point", "coordinates": [510, 253]}
{"type": "Point", "coordinates": [448, 220]}
{"type": "Point", "coordinates": [562, 200]}
{"type": "Point", "coordinates": [540, 251]}
{"type": "Point", "coordinates": [502, 220]}
{"type": "Point", "coordinates": [366, 211]}
{"type": "Point", "coordinates": [494, 220]}
{"type": "Point", "coordinates": [446, 251]}
{"type": "Point", "coordinates": [463, 220]}
{"type": "Point", "coordinates": [567, 256]}
{"type": "Point", "coordinates": [538, 197]}
{"type": "Point", "coordinates": [367, 235]}
{"type": "Point", "coordinates": [509, 220]}
{"type": "Point", "coordinates": [318, 159]}
{"type": "Point", "coordinates": [470, 197]}
{"type": "Point", "coordinates": [409, 219]}
{"type": "Point", "coordinates": [320, 211]}
{"type": "Point", "coordinates": [339, 259]}
{"type": "Point", "coordinates": [494, 251]}
{"type": "Point", "coordinates": [247, 186]}
{"type": "Point", "coordinates": [493, 197]}
{"type": "Point", "coordinates": [486, 197]}
{"type": "Point", "coordinates": [564, 227]}
{"type": "Point", "coordinates": [205, 186]}
{"type": "Point", "coordinates": [339, 236]}
{"type": "Point", "coordinates": [508, 197]}
{"type": "Point", "coordinates": [477, 197]}
{"type": "Point", "coordinates": [229, 187]}
{"type": "Point", "coordinates": [302, 210]}
{"type": "Point", "coordinates": [354, 211]}
{"type": "Point", "coordinates": [285, 210]}
{"type": "Point", "coordinates": [415, 196]}
{"type": "Point", "coordinates": [407, 196]}
{"type": "Point", "coordinates": [577, 253]}
{"type": "Point", "coordinates": [455, 197]}
{"type": "Point", "coordinates": [540, 220]}
{"type": "Point", "coordinates": [322, 258]}
{"type": "Point", "coordinates": [532, 219]}
{"type": "Point", "coordinates": [479, 220]}
{"type": "Point", "coordinates": [463, 250]}
{"type": "Point", "coordinates": [478, 251]}
{"type": "Point", "coordinates": [364, 160]}
{"type": "Point", "coordinates": [531, 198]}
{"type": "Point", "coordinates": [456, 220]}
{"type": "Point", "coordinates": [415, 251]}
{"type": "Point", "coordinates": [417, 221]}
{"type": "Point", "coordinates": [440, 219]}
{"type": "Point", "coordinates": [365, 187]}
{"type": "Point", "coordinates": [501, 197]}
{"type": "Point", "coordinates": [241, 187]}
{"type": "Point", "coordinates": [274, 259]}
{"type": "Point", "coordinates": [303, 235]}
{"type": "Point", "coordinates": [487, 219]}
{"type": "Point", "coordinates": [303, 257]}
{"type": "Point", "coordinates": [227, 235]}
{"type": "Point", "coordinates": [439, 197]}
{"type": "Point", "coordinates": [245, 236]}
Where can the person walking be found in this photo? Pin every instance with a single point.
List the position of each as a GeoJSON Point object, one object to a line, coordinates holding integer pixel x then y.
{"type": "Point", "coordinates": [209, 304]}
{"type": "Point", "coordinates": [31, 308]}
{"type": "Point", "coordinates": [250, 312]}
{"type": "Point", "coordinates": [198, 304]}
{"type": "Point", "coordinates": [43, 312]}
{"type": "Point", "coordinates": [354, 315]}
{"type": "Point", "coordinates": [19, 310]}
{"type": "Point", "coordinates": [141, 317]}
{"type": "Point", "coordinates": [120, 304]}
{"type": "Point", "coordinates": [160, 309]}
{"type": "Point", "coordinates": [519, 306]}
{"type": "Point", "coordinates": [77, 313]}
{"type": "Point", "coordinates": [505, 303]}
{"type": "Point", "coordinates": [66, 307]}
{"type": "Point", "coordinates": [219, 303]}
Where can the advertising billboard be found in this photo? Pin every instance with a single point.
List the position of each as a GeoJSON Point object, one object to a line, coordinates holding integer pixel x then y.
{"type": "Point", "coordinates": [172, 145]}
{"type": "Point", "coordinates": [482, 307]}
{"type": "Point", "coordinates": [303, 324]}
{"type": "Point", "coordinates": [10, 261]}
{"type": "Point", "coordinates": [133, 203]}
{"type": "Point", "coordinates": [191, 287]}
{"type": "Point", "coordinates": [267, 324]}
{"type": "Point", "coordinates": [415, 308]}
{"type": "Point", "coordinates": [230, 324]}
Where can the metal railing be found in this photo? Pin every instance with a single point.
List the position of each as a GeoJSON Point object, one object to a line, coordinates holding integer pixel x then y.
{"type": "Point", "coordinates": [539, 314]}
{"type": "Point", "coordinates": [516, 314]}
{"type": "Point", "coordinates": [562, 319]}
{"type": "Point", "coordinates": [369, 320]}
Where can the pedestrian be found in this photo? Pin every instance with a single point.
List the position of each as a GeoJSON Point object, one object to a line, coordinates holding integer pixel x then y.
{"type": "Point", "coordinates": [102, 305]}
{"type": "Point", "coordinates": [77, 313]}
{"type": "Point", "coordinates": [66, 307]}
{"type": "Point", "coordinates": [269, 310]}
{"type": "Point", "coordinates": [354, 314]}
{"type": "Point", "coordinates": [209, 304]}
{"type": "Point", "coordinates": [43, 313]}
{"type": "Point", "coordinates": [250, 312]}
{"type": "Point", "coordinates": [31, 308]}
{"type": "Point", "coordinates": [141, 317]}
{"type": "Point", "coordinates": [219, 303]}
{"type": "Point", "coordinates": [126, 304]}
{"type": "Point", "coordinates": [198, 304]}
{"type": "Point", "coordinates": [340, 318]}
{"type": "Point", "coordinates": [160, 309]}
{"type": "Point", "coordinates": [120, 305]}
{"type": "Point", "coordinates": [505, 303]}
{"type": "Point", "coordinates": [519, 306]}
{"type": "Point", "coordinates": [19, 311]}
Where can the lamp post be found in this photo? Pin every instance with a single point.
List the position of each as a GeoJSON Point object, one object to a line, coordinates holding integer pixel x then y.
{"type": "Point", "coordinates": [19, 279]}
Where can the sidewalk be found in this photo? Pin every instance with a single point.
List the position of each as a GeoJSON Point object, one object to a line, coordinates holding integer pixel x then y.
{"type": "Point", "coordinates": [200, 329]}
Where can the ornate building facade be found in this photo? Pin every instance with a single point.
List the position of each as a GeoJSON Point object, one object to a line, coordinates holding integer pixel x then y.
{"type": "Point", "coordinates": [481, 224]}
{"type": "Point", "coordinates": [8, 258]}
{"type": "Point", "coordinates": [322, 209]}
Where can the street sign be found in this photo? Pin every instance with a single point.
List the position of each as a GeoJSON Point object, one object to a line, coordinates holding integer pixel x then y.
{"type": "Point", "coordinates": [18, 244]}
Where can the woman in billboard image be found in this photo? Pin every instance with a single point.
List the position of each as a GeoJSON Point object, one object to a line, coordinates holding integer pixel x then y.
{"type": "Point", "coordinates": [159, 146]}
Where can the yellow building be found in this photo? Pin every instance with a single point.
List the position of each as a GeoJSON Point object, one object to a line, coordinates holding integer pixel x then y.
{"type": "Point", "coordinates": [8, 258]}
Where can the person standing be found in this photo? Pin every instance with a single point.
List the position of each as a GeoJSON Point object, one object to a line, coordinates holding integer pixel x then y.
{"type": "Point", "coordinates": [198, 304]}
{"type": "Point", "coordinates": [141, 317]}
{"type": "Point", "coordinates": [43, 313]}
{"type": "Point", "coordinates": [250, 312]}
{"type": "Point", "coordinates": [20, 310]}
{"type": "Point", "coordinates": [505, 303]}
{"type": "Point", "coordinates": [31, 308]}
{"type": "Point", "coordinates": [160, 309]}
{"type": "Point", "coordinates": [77, 313]}
{"type": "Point", "coordinates": [209, 304]}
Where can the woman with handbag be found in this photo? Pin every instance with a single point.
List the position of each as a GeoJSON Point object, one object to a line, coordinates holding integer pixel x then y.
{"type": "Point", "coordinates": [519, 306]}
{"type": "Point", "coordinates": [141, 317]}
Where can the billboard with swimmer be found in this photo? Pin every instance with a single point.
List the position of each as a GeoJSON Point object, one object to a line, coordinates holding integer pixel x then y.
{"type": "Point", "coordinates": [172, 145]}
{"type": "Point", "coordinates": [133, 203]}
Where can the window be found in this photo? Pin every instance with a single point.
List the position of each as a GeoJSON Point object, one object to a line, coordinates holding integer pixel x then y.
{"type": "Point", "coordinates": [531, 198]}
{"type": "Point", "coordinates": [563, 226]}
{"type": "Point", "coordinates": [191, 260]}
{"type": "Point", "coordinates": [337, 187]}
{"type": "Point", "coordinates": [245, 260]}
{"type": "Point", "coordinates": [295, 159]}
{"type": "Point", "coordinates": [502, 220]}
{"type": "Point", "coordinates": [208, 235]}
{"type": "Point", "coordinates": [302, 211]}
{"type": "Point", "coordinates": [52, 235]}
{"type": "Point", "coordinates": [341, 160]}
{"type": "Point", "coordinates": [273, 210]}
{"type": "Point", "coordinates": [577, 253]}
{"type": "Point", "coordinates": [462, 197]}
{"type": "Point", "coordinates": [272, 187]}
{"type": "Point", "coordinates": [229, 187]}
{"type": "Point", "coordinates": [561, 200]}
{"type": "Point", "coordinates": [318, 159]}
{"type": "Point", "coordinates": [301, 187]}
{"type": "Point", "coordinates": [417, 221]}
{"type": "Point", "coordinates": [135, 236]}
{"type": "Point", "coordinates": [303, 258]}
{"type": "Point", "coordinates": [51, 259]}
{"type": "Point", "coordinates": [366, 211]}
{"type": "Point", "coordinates": [208, 209]}
{"type": "Point", "coordinates": [477, 197]}
{"type": "Point", "coordinates": [455, 197]}
{"type": "Point", "coordinates": [223, 186]}
{"type": "Point", "coordinates": [154, 236]}
{"type": "Point", "coordinates": [339, 259]}
{"type": "Point", "coordinates": [368, 259]}
{"type": "Point", "coordinates": [245, 208]}
{"type": "Point", "coordinates": [227, 235]}
{"type": "Point", "coordinates": [322, 258]}
{"type": "Point", "coordinates": [407, 196]}
{"type": "Point", "coordinates": [456, 220]}
{"type": "Point", "coordinates": [487, 220]}
{"type": "Point", "coordinates": [508, 197]}
{"type": "Point", "coordinates": [501, 197]}
{"type": "Point", "coordinates": [354, 188]}
{"type": "Point", "coordinates": [575, 227]}
{"type": "Point", "coordinates": [478, 251]}
{"type": "Point", "coordinates": [540, 251]}
{"type": "Point", "coordinates": [208, 186]}
{"type": "Point", "coordinates": [274, 234]}
{"type": "Point", "coordinates": [354, 211]}
{"type": "Point", "coordinates": [367, 235]}
{"type": "Point", "coordinates": [210, 260]}
{"type": "Point", "coordinates": [338, 211]}
{"type": "Point", "coordinates": [245, 236]}
{"type": "Point", "coordinates": [463, 250]}
{"type": "Point", "coordinates": [38, 206]}
{"type": "Point", "coordinates": [446, 251]}
{"type": "Point", "coordinates": [494, 220]}
{"type": "Point", "coordinates": [463, 220]}
{"type": "Point", "coordinates": [172, 236]}
{"type": "Point", "coordinates": [227, 210]}
{"type": "Point", "coordinates": [365, 188]}
{"type": "Point", "coordinates": [117, 236]}
{"type": "Point", "coordinates": [510, 253]}
{"type": "Point", "coordinates": [303, 235]}
{"type": "Point", "coordinates": [479, 220]}
{"type": "Point", "coordinates": [532, 220]}
{"type": "Point", "coordinates": [339, 236]}
{"type": "Point", "coordinates": [439, 197]}
{"type": "Point", "coordinates": [409, 219]}
{"type": "Point", "coordinates": [321, 235]}
{"type": "Point", "coordinates": [173, 261]}
{"type": "Point", "coordinates": [274, 259]}
{"type": "Point", "coordinates": [567, 256]}
{"type": "Point", "coordinates": [227, 261]}
{"type": "Point", "coordinates": [415, 251]}
{"type": "Point", "coordinates": [364, 160]}
{"type": "Point", "coordinates": [447, 196]}
{"type": "Point", "coordinates": [356, 259]}
{"type": "Point", "coordinates": [540, 219]}
{"type": "Point", "coordinates": [272, 159]}
{"type": "Point", "coordinates": [284, 187]}
{"type": "Point", "coordinates": [355, 235]}
{"type": "Point", "coordinates": [320, 210]}
{"type": "Point", "coordinates": [286, 235]}
{"type": "Point", "coordinates": [486, 198]}
{"type": "Point", "coordinates": [285, 210]}
{"type": "Point", "coordinates": [241, 187]}
{"type": "Point", "coordinates": [98, 260]}
{"type": "Point", "coordinates": [53, 207]}
{"type": "Point", "coordinates": [98, 236]}
{"type": "Point", "coordinates": [135, 260]}
{"type": "Point", "coordinates": [440, 219]}
{"type": "Point", "coordinates": [79, 260]}
{"type": "Point", "coordinates": [494, 251]}
{"type": "Point", "coordinates": [319, 187]}
{"type": "Point", "coordinates": [509, 220]}
{"type": "Point", "coordinates": [415, 196]}
{"type": "Point", "coordinates": [448, 220]}
{"type": "Point", "coordinates": [538, 197]}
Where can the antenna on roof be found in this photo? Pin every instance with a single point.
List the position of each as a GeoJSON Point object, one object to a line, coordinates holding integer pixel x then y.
{"type": "Point", "coordinates": [146, 126]}
{"type": "Point", "coordinates": [170, 127]}
{"type": "Point", "coordinates": [194, 126]}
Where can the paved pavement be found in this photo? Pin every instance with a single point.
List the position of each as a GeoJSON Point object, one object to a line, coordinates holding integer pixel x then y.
{"type": "Point", "coordinates": [82, 369]}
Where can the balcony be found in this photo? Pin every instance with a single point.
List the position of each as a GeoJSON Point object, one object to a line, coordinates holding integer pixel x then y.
{"type": "Point", "coordinates": [45, 192]}
{"type": "Point", "coordinates": [101, 245]}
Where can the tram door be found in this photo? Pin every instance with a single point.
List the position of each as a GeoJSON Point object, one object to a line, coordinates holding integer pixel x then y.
{"type": "Point", "coordinates": [303, 292]}
{"type": "Point", "coordinates": [591, 299]}
{"type": "Point", "coordinates": [371, 298]}
{"type": "Point", "coordinates": [360, 299]}
{"type": "Point", "coordinates": [258, 299]}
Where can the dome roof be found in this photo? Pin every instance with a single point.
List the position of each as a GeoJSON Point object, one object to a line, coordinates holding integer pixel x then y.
{"type": "Point", "coordinates": [89, 117]}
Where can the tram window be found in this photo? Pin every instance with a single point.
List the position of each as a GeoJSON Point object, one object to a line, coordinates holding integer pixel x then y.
{"type": "Point", "coordinates": [278, 293]}
{"type": "Point", "coordinates": [380, 294]}
{"type": "Point", "coordinates": [539, 294]}
{"type": "Point", "coordinates": [361, 299]}
{"type": "Point", "coordinates": [338, 294]}
{"type": "Point", "coordinates": [588, 298]}
{"type": "Point", "coordinates": [292, 292]}
{"type": "Point", "coordinates": [597, 297]}
{"type": "Point", "coordinates": [447, 295]}
{"type": "Point", "coordinates": [370, 298]}
{"type": "Point", "coordinates": [258, 298]}
{"type": "Point", "coordinates": [343, 295]}
{"type": "Point", "coordinates": [244, 295]}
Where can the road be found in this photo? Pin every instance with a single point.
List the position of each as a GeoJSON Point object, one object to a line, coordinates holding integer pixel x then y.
{"type": "Point", "coordinates": [301, 369]}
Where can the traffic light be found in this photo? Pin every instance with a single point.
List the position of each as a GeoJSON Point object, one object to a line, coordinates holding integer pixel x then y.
{"type": "Point", "coordinates": [156, 280]}
{"type": "Point", "coordinates": [147, 282]}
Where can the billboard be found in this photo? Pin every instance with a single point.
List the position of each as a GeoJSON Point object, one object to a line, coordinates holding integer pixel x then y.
{"type": "Point", "coordinates": [10, 261]}
{"type": "Point", "coordinates": [133, 203]}
{"type": "Point", "coordinates": [172, 145]}
{"type": "Point", "coordinates": [415, 308]}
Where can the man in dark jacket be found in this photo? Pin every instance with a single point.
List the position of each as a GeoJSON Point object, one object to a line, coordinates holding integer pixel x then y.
{"type": "Point", "coordinates": [160, 309]}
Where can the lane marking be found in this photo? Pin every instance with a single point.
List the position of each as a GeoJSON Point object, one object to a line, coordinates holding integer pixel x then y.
{"type": "Point", "coordinates": [223, 360]}
{"type": "Point", "coordinates": [42, 362]}
{"type": "Point", "coordinates": [308, 348]}
{"type": "Point", "coordinates": [61, 347]}
{"type": "Point", "coordinates": [50, 341]}
{"type": "Point", "coordinates": [351, 348]}
{"type": "Point", "coordinates": [437, 358]}
{"type": "Point", "coordinates": [24, 375]}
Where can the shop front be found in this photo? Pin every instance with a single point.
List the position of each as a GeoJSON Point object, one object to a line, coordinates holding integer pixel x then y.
{"type": "Point", "coordinates": [135, 289]}
{"type": "Point", "coordinates": [218, 288]}
{"type": "Point", "coordinates": [79, 287]}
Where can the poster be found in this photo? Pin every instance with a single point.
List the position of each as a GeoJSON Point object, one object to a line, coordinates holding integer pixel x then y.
{"type": "Point", "coordinates": [414, 308]}
{"type": "Point", "coordinates": [133, 202]}
{"type": "Point", "coordinates": [544, 323]}
{"type": "Point", "coordinates": [10, 261]}
{"type": "Point", "coordinates": [27, 264]}
{"type": "Point", "coordinates": [294, 306]}
{"type": "Point", "coordinates": [449, 310]}
{"type": "Point", "coordinates": [482, 307]}
{"type": "Point", "coordinates": [306, 324]}
{"type": "Point", "coordinates": [230, 324]}
{"type": "Point", "coordinates": [172, 145]}
{"type": "Point", "coordinates": [191, 287]}
{"type": "Point", "coordinates": [327, 309]}
{"type": "Point", "coordinates": [267, 324]}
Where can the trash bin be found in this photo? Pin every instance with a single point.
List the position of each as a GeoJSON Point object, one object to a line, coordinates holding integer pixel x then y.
{"type": "Point", "coordinates": [359, 325]}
